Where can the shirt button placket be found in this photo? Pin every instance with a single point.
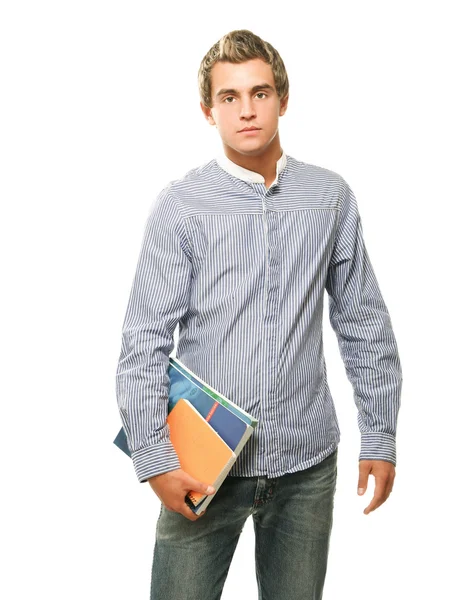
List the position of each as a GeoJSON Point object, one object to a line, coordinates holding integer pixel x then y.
{"type": "Point", "coordinates": [265, 408]}
{"type": "Point", "coordinates": [270, 324]}
{"type": "Point", "coordinates": [272, 310]}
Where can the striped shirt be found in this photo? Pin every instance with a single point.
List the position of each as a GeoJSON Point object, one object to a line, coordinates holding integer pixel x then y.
{"type": "Point", "coordinates": [242, 269]}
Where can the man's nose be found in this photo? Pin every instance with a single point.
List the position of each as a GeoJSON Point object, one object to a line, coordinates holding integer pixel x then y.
{"type": "Point", "coordinates": [247, 109]}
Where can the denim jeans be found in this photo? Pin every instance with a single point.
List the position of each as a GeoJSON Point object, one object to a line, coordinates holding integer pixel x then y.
{"type": "Point", "coordinates": [292, 517]}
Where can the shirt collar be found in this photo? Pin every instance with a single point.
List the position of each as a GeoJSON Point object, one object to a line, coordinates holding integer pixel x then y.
{"type": "Point", "coordinates": [250, 176]}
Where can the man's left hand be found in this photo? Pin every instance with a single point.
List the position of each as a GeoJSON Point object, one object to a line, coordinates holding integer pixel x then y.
{"type": "Point", "coordinates": [384, 473]}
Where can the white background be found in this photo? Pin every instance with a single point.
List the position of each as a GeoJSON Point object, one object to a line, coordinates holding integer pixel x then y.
{"type": "Point", "coordinates": [99, 110]}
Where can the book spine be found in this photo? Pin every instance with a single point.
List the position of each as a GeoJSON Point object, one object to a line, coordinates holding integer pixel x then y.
{"type": "Point", "coordinates": [244, 439]}
{"type": "Point", "coordinates": [218, 482]}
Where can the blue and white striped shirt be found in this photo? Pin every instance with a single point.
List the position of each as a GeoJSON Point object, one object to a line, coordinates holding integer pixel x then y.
{"type": "Point", "coordinates": [243, 270]}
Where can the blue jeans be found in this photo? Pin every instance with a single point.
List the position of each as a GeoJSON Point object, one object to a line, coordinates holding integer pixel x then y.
{"type": "Point", "coordinates": [292, 518]}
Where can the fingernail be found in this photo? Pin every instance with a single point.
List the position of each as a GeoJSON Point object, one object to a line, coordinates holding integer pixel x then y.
{"type": "Point", "coordinates": [360, 491]}
{"type": "Point", "coordinates": [210, 489]}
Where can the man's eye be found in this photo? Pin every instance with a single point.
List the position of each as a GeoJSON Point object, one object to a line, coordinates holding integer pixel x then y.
{"type": "Point", "coordinates": [228, 98]}
{"type": "Point", "coordinates": [262, 93]}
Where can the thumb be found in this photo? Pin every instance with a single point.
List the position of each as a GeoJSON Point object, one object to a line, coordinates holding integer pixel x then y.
{"type": "Point", "coordinates": [198, 486]}
{"type": "Point", "coordinates": [364, 469]}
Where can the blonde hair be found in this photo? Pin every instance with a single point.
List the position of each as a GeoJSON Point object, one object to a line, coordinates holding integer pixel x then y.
{"type": "Point", "coordinates": [239, 46]}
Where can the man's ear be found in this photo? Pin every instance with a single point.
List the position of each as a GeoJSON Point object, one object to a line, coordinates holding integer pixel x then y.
{"type": "Point", "coordinates": [283, 105]}
{"type": "Point", "coordinates": [207, 112]}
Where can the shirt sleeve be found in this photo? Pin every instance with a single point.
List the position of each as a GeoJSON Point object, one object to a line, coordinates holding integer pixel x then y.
{"type": "Point", "coordinates": [158, 299]}
{"type": "Point", "coordinates": [365, 336]}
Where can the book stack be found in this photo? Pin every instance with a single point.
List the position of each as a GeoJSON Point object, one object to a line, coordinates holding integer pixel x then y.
{"type": "Point", "coordinates": [207, 430]}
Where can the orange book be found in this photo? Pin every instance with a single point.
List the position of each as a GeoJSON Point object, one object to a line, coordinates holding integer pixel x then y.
{"type": "Point", "coordinates": [203, 453]}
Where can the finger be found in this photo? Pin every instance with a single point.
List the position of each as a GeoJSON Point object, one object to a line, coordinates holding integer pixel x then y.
{"type": "Point", "coordinates": [392, 479]}
{"type": "Point", "coordinates": [188, 513]}
{"type": "Point", "coordinates": [364, 469]}
{"type": "Point", "coordinates": [374, 504]}
{"type": "Point", "coordinates": [380, 495]}
{"type": "Point", "coordinates": [389, 486]}
{"type": "Point", "coordinates": [193, 485]}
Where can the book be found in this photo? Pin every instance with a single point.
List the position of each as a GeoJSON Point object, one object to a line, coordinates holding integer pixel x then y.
{"type": "Point", "coordinates": [201, 451]}
{"type": "Point", "coordinates": [229, 421]}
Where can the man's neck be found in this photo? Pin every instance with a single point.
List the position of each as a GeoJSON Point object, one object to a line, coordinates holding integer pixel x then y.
{"type": "Point", "coordinates": [264, 164]}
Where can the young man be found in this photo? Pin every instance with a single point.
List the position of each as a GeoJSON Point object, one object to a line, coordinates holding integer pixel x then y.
{"type": "Point", "coordinates": [239, 252]}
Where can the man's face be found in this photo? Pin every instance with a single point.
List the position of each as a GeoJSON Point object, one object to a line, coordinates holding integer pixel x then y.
{"type": "Point", "coordinates": [244, 95]}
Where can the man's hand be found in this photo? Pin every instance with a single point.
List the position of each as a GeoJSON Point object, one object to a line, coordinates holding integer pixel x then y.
{"type": "Point", "coordinates": [384, 473]}
{"type": "Point", "coordinates": [172, 487]}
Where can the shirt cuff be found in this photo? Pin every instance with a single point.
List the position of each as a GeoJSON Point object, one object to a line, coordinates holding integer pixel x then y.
{"type": "Point", "coordinates": [378, 446]}
{"type": "Point", "coordinates": [155, 460]}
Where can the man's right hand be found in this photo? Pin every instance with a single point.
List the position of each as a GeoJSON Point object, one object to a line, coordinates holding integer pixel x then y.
{"type": "Point", "coordinates": [172, 487]}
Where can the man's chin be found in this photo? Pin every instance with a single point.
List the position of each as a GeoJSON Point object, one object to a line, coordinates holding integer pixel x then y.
{"type": "Point", "coordinates": [248, 149]}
